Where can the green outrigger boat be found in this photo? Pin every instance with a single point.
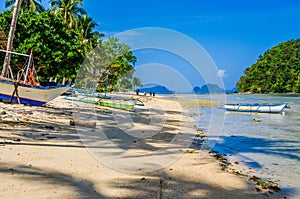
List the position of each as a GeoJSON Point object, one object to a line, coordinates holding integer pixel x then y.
{"type": "Point", "coordinates": [119, 104]}
{"type": "Point", "coordinates": [123, 105]}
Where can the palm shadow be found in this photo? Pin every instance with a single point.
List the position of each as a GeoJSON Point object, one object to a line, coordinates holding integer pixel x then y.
{"type": "Point", "coordinates": [28, 174]}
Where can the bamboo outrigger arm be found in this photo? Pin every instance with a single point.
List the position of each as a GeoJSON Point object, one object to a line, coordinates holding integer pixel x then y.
{"type": "Point", "coordinates": [6, 51]}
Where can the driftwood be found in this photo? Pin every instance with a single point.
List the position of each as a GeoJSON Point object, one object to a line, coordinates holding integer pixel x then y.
{"type": "Point", "coordinates": [84, 123]}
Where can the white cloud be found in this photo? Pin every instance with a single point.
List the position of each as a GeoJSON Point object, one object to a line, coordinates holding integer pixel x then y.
{"type": "Point", "coordinates": [222, 73]}
{"type": "Point", "coordinates": [108, 33]}
{"type": "Point", "coordinates": [129, 36]}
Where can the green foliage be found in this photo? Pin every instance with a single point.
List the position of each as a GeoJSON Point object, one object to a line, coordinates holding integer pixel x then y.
{"type": "Point", "coordinates": [277, 71]}
{"type": "Point", "coordinates": [69, 10]}
{"type": "Point", "coordinates": [57, 52]}
{"type": "Point", "coordinates": [75, 17]}
{"type": "Point", "coordinates": [119, 71]}
{"type": "Point", "coordinates": [27, 5]}
{"type": "Point", "coordinates": [87, 37]}
{"type": "Point", "coordinates": [108, 63]}
{"type": "Point", "coordinates": [63, 39]}
{"type": "Point", "coordinates": [136, 82]}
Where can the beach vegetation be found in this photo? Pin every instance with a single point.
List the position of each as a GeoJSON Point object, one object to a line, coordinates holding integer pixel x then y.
{"type": "Point", "coordinates": [136, 82]}
{"type": "Point", "coordinates": [27, 5]}
{"type": "Point", "coordinates": [110, 63]}
{"type": "Point", "coordinates": [277, 71]}
{"type": "Point", "coordinates": [57, 52]}
{"type": "Point", "coordinates": [64, 40]}
{"type": "Point", "coordinates": [69, 10]}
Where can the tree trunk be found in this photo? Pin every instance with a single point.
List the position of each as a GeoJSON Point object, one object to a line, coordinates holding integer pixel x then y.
{"type": "Point", "coordinates": [6, 65]}
{"type": "Point", "coordinates": [27, 5]}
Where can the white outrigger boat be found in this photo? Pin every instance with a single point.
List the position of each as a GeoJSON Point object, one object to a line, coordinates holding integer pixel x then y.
{"type": "Point", "coordinates": [24, 89]}
{"type": "Point", "coordinates": [28, 90]}
{"type": "Point", "coordinates": [256, 108]}
{"type": "Point", "coordinates": [28, 94]}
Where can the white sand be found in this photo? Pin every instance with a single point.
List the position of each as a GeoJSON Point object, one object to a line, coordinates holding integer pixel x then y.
{"type": "Point", "coordinates": [42, 156]}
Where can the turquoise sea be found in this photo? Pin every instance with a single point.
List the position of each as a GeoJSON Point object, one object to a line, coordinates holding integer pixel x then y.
{"type": "Point", "coordinates": [269, 149]}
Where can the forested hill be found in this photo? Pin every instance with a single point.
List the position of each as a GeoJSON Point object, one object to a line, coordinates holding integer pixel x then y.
{"type": "Point", "coordinates": [278, 71]}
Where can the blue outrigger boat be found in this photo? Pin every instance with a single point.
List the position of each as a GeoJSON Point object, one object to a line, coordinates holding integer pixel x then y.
{"type": "Point", "coordinates": [24, 89]}
{"type": "Point", "coordinates": [256, 108]}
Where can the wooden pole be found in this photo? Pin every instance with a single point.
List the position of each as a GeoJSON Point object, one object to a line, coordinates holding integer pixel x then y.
{"type": "Point", "coordinates": [16, 84]}
{"type": "Point", "coordinates": [6, 65]}
{"type": "Point", "coordinates": [28, 67]}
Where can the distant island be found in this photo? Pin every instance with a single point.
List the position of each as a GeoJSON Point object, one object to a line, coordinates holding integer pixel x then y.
{"type": "Point", "coordinates": [205, 89]}
{"type": "Point", "coordinates": [277, 71]}
{"type": "Point", "coordinates": [156, 88]}
{"type": "Point", "coordinates": [208, 88]}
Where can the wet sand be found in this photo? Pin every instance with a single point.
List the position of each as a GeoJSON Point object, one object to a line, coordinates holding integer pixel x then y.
{"type": "Point", "coordinates": [43, 156]}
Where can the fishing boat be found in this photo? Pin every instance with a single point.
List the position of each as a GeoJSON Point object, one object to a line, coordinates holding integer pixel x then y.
{"type": "Point", "coordinates": [30, 95]}
{"type": "Point", "coordinates": [24, 88]}
{"type": "Point", "coordinates": [82, 99]}
{"type": "Point", "coordinates": [119, 103]}
{"type": "Point", "coordinates": [257, 108]}
{"type": "Point", "coordinates": [127, 105]}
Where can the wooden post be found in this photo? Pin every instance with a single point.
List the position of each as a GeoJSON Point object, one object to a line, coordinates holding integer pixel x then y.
{"type": "Point", "coordinates": [63, 81]}
{"type": "Point", "coordinates": [16, 84]}
{"type": "Point", "coordinates": [28, 67]}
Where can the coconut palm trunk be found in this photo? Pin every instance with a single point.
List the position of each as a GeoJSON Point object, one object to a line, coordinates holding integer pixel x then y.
{"type": "Point", "coordinates": [6, 65]}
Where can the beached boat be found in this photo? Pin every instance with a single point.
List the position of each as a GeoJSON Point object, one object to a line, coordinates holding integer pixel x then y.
{"type": "Point", "coordinates": [119, 104]}
{"type": "Point", "coordinates": [31, 95]}
{"type": "Point", "coordinates": [82, 99]}
{"type": "Point", "coordinates": [258, 108]}
{"type": "Point", "coordinates": [24, 88]}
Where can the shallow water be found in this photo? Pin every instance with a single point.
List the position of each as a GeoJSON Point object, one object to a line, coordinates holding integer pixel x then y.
{"type": "Point", "coordinates": [269, 148]}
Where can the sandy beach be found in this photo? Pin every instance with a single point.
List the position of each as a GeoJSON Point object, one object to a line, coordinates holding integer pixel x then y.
{"type": "Point", "coordinates": [145, 153]}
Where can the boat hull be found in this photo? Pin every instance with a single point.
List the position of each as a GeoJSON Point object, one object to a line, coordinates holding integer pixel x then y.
{"type": "Point", "coordinates": [30, 95]}
{"type": "Point", "coordinates": [119, 104]}
{"type": "Point", "coordinates": [256, 108]}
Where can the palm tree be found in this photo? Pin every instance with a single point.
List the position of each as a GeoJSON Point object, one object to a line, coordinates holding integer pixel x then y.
{"type": "Point", "coordinates": [69, 10]}
{"type": "Point", "coordinates": [86, 26]}
{"type": "Point", "coordinates": [88, 37]}
{"type": "Point", "coordinates": [136, 82]}
{"type": "Point", "coordinates": [27, 5]}
{"type": "Point", "coordinates": [6, 66]}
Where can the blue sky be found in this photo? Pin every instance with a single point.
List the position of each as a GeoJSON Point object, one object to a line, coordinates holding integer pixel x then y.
{"type": "Point", "coordinates": [233, 32]}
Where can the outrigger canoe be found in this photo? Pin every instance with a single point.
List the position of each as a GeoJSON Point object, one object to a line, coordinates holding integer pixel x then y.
{"type": "Point", "coordinates": [30, 95]}
{"type": "Point", "coordinates": [119, 104]}
{"type": "Point", "coordinates": [24, 89]}
{"type": "Point", "coordinates": [256, 108]}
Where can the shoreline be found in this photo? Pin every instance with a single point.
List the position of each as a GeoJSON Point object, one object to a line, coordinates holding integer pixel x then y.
{"type": "Point", "coordinates": [234, 164]}
{"type": "Point", "coordinates": [230, 164]}
{"type": "Point", "coordinates": [42, 155]}
{"type": "Point", "coordinates": [274, 94]}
